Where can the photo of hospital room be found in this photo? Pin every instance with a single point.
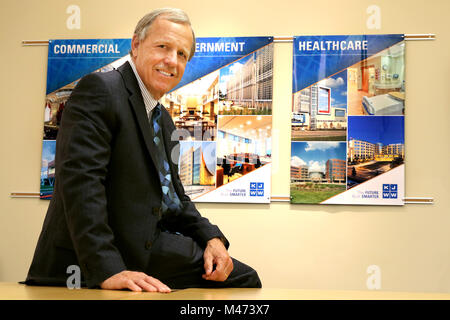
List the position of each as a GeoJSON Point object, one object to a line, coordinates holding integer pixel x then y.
{"type": "Point", "coordinates": [246, 85]}
{"type": "Point", "coordinates": [319, 112]}
{"type": "Point", "coordinates": [193, 108]}
{"type": "Point", "coordinates": [244, 144]}
{"type": "Point", "coordinates": [376, 86]}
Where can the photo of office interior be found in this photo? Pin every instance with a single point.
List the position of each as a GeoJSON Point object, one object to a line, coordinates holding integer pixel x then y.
{"type": "Point", "coordinates": [319, 112]}
{"type": "Point", "coordinates": [244, 144]}
{"type": "Point", "coordinates": [376, 86]}
{"type": "Point", "coordinates": [193, 108]}
{"type": "Point", "coordinates": [246, 85]}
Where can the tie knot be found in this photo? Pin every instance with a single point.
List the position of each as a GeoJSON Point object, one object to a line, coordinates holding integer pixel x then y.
{"type": "Point", "coordinates": [156, 113]}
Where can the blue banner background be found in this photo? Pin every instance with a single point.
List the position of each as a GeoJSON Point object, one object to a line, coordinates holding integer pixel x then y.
{"type": "Point", "coordinates": [64, 68]}
{"type": "Point", "coordinates": [204, 63]}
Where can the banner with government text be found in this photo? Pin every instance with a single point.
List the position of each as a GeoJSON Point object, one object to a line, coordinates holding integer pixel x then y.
{"type": "Point", "coordinates": [222, 109]}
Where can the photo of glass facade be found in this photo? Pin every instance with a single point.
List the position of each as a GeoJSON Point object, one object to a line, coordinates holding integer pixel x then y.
{"type": "Point", "coordinates": [247, 84]}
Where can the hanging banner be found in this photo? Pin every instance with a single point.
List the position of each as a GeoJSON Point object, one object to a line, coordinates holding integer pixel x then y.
{"type": "Point", "coordinates": [222, 110]}
{"type": "Point", "coordinates": [347, 125]}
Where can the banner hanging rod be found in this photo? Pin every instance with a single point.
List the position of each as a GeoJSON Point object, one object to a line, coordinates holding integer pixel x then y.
{"type": "Point", "coordinates": [273, 198]}
{"type": "Point", "coordinates": [425, 36]}
{"type": "Point", "coordinates": [407, 200]}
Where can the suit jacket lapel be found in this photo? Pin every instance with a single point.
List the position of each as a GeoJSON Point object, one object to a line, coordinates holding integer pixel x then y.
{"type": "Point", "coordinates": [138, 106]}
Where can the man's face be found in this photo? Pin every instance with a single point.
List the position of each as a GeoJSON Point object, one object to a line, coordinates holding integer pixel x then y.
{"type": "Point", "coordinates": [161, 57]}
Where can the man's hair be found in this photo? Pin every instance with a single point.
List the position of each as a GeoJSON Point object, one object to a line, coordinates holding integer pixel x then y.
{"type": "Point", "coordinates": [171, 14]}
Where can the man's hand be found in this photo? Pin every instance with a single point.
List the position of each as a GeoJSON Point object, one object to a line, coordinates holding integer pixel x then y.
{"type": "Point", "coordinates": [135, 281]}
{"type": "Point", "coordinates": [216, 254]}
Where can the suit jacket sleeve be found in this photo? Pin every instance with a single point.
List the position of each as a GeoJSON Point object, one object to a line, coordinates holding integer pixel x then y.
{"type": "Point", "coordinates": [83, 149]}
{"type": "Point", "coordinates": [189, 222]}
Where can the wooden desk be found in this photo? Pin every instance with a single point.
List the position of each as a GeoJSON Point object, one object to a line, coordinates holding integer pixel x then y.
{"type": "Point", "coordinates": [15, 291]}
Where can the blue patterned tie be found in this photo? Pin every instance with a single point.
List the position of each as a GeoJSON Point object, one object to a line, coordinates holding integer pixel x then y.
{"type": "Point", "coordinates": [170, 200]}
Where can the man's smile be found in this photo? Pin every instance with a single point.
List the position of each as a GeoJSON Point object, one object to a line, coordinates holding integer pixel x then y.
{"type": "Point", "coordinates": [165, 73]}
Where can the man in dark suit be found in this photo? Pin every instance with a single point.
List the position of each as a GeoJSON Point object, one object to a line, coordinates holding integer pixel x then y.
{"type": "Point", "coordinates": [108, 214]}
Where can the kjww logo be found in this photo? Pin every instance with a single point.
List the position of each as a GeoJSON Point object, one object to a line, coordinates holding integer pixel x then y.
{"type": "Point", "coordinates": [256, 189]}
{"type": "Point", "coordinates": [390, 191]}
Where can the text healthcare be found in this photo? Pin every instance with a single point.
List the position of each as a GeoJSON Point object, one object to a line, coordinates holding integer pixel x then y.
{"type": "Point", "coordinates": [330, 45]}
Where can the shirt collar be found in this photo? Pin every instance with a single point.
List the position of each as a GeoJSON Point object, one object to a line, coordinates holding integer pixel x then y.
{"type": "Point", "coordinates": [149, 101]}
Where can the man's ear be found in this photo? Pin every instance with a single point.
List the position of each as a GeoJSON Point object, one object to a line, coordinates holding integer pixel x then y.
{"type": "Point", "coordinates": [134, 45]}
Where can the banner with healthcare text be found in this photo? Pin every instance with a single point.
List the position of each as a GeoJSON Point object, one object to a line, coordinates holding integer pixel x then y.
{"type": "Point", "coordinates": [347, 124]}
{"type": "Point", "coordinates": [222, 110]}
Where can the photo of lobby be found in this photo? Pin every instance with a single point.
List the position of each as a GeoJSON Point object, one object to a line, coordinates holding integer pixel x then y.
{"type": "Point", "coordinates": [246, 85]}
{"type": "Point", "coordinates": [193, 108]}
{"type": "Point", "coordinates": [54, 107]}
{"type": "Point", "coordinates": [376, 86]}
{"type": "Point", "coordinates": [56, 101]}
{"type": "Point", "coordinates": [244, 144]}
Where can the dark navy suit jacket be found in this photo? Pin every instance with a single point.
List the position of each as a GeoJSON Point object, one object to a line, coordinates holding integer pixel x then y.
{"type": "Point", "coordinates": [105, 211]}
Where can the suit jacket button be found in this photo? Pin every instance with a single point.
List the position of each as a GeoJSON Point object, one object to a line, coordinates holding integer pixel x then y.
{"type": "Point", "coordinates": [148, 245]}
{"type": "Point", "coordinates": [156, 211]}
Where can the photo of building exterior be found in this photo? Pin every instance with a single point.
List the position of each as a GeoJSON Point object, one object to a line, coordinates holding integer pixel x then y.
{"type": "Point", "coordinates": [319, 112]}
{"type": "Point", "coordinates": [299, 173]}
{"type": "Point", "coordinates": [318, 171]}
{"type": "Point", "coordinates": [194, 107]}
{"type": "Point", "coordinates": [335, 170]}
{"type": "Point", "coordinates": [376, 145]}
{"type": "Point", "coordinates": [47, 169]}
{"type": "Point", "coordinates": [246, 85]}
{"type": "Point", "coordinates": [376, 86]}
{"type": "Point", "coordinates": [359, 151]}
{"type": "Point", "coordinates": [197, 167]}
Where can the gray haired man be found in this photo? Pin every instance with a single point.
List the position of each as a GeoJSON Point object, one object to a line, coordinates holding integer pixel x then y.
{"type": "Point", "coordinates": [119, 209]}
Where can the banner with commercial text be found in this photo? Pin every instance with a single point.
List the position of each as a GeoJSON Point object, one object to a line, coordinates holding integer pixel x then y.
{"type": "Point", "coordinates": [222, 110]}
{"type": "Point", "coordinates": [347, 125]}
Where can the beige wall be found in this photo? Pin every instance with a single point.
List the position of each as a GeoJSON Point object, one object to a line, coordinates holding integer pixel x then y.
{"type": "Point", "coordinates": [291, 246]}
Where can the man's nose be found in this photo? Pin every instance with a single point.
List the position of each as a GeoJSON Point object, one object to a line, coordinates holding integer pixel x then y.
{"type": "Point", "coordinates": [171, 58]}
